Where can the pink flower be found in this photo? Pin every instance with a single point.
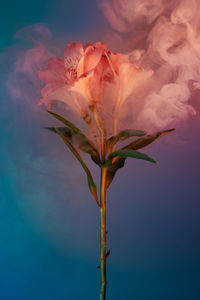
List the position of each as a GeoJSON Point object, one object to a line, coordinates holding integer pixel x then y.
{"type": "Point", "coordinates": [90, 76]}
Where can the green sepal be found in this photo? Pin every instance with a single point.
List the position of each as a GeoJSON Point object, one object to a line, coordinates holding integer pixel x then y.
{"type": "Point", "coordinates": [131, 153]}
{"type": "Point", "coordinates": [123, 135]}
{"type": "Point", "coordinates": [91, 183]}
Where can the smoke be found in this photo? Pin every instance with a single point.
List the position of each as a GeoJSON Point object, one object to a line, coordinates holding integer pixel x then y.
{"type": "Point", "coordinates": [25, 60]}
{"type": "Point", "coordinates": [164, 36]}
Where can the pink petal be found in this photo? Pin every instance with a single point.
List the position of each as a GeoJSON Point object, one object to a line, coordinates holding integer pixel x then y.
{"type": "Point", "coordinates": [51, 95]}
{"type": "Point", "coordinates": [72, 55]}
{"type": "Point", "coordinates": [129, 75]}
{"type": "Point", "coordinates": [92, 57]}
{"type": "Point", "coordinates": [103, 46]}
{"type": "Point", "coordinates": [130, 78]}
{"type": "Point", "coordinates": [102, 76]}
{"type": "Point", "coordinates": [81, 87]}
{"type": "Point", "coordinates": [54, 71]}
{"type": "Point", "coordinates": [50, 88]}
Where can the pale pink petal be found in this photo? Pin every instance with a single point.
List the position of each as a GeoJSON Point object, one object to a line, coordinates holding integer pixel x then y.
{"type": "Point", "coordinates": [72, 55]}
{"type": "Point", "coordinates": [54, 71]}
{"type": "Point", "coordinates": [103, 46]}
{"type": "Point", "coordinates": [91, 58]}
{"type": "Point", "coordinates": [46, 102]}
{"type": "Point", "coordinates": [102, 75]}
{"type": "Point", "coordinates": [91, 86]}
{"type": "Point", "coordinates": [51, 88]}
{"type": "Point", "coordinates": [61, 94]}
{"type": "Point", "coordinates": [131, 77]}
{"type": "Point", "coordinates": [81, 87]}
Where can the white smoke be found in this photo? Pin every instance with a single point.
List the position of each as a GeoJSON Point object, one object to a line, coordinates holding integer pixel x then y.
{"type": "Point", "coordinates": [162, 35]}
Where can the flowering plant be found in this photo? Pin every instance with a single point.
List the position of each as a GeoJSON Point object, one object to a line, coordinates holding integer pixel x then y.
{"type": "Point", "coordinates": [94, 83]}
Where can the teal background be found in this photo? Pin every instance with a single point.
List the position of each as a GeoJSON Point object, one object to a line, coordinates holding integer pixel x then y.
{"type": "Point", "coordinates": [49, 226]}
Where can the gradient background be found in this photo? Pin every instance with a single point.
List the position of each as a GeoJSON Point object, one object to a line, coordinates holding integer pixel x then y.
{"type": "Point", "coordinates": [49, 226]}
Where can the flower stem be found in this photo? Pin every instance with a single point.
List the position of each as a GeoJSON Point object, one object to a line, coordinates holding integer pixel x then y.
{"type": "Point", "coordinates": [103, 233]}
{"type": "Point", "coordinates": [101, 132]}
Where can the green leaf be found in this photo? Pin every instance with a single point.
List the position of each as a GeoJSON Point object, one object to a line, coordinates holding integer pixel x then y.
{"type": "Point", "coordinates": [67, 132]}
{"type": "Point", "coordinates": [79, 140]}
{"type": "Point", "coordinates": [131, 153]}
{"type": "Point", "coordinates": [119, 161]}
{"type": "Point", "coordinates": [146, 140]}
{"type": "Point", "coordinates": [91, 183]}
{"type": "Point", "coordinates": [64, 121]}
{"type": "Point", "coordinates": [123, 135]}
{"type": "Point", "coordinates": [77, 136]}
{"type": "Point", "coordinates": [111, 171]}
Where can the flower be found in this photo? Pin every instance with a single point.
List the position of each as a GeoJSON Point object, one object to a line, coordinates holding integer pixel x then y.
{"type": "Point", "coordinates": [90, 76]}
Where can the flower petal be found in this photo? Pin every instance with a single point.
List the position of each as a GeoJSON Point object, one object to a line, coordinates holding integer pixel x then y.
{"type": "Point", "coordinates": [102, 76]}
{"type": "Point", "coordinates": [130, 77]}
{"type": "Point", "coordinates": [81, 87]}
{"type": "Point", "coordinates": [91, 58]}
{"type": "Point", "coordinates": [51, 94]}
{"type": "Point", "coordinates": [54, 71]}
{"type": "Point", "coordinates": [72, 55]}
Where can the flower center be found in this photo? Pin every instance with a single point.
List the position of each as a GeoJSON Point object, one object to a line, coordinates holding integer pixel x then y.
{"type": "Point", "coordinates": [71, 75]}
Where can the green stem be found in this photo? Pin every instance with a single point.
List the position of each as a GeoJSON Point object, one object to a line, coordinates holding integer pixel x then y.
{"type": "Point", "coordinates": [100, 130]}
{"type": "Point", "coordinates": [103, 233]}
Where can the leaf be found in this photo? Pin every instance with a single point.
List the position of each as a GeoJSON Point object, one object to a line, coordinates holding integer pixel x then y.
{"type": "Point", "coordinates": [64, 121]}
{"type": "Point", "coordinates": [79, 140]}
{"type": "Point", "coordinates": [84, 144]}
{"type": "Point", "coordinates": [131, 153]}
{"type": "Point", "coordinates": [123, 135]}
{"type": "Point", "coordinates": [111, 171]}
{"type": "Point", "coordinates": [145, 141]}
{"type": "Point", "coordinates": [91, 183]}
{"type": "Point", "coordinates": [118, 161]}
{"type": "Point", "coordinates": [67, 132]}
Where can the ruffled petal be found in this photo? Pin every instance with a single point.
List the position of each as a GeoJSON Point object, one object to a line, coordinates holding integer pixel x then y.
{"type": "Point", "coordinates": [91, 85]}
{"type": "Point", "coordinates": [91, 58]}
{"type": "Point", "coordinates": [51, 94]}
{"type": "Point", "coordinates": [72, 55]}
{"type": "Point", "coordinates": [50, 88]}
{"type": "Point", "coordinates": [54, 71]}
{"type": "Point", "coordinates": [131, 77]}
{"type": "Point", "coordinates": [102, 76]}
{"type": "Point", "coordinates": [81, 87]}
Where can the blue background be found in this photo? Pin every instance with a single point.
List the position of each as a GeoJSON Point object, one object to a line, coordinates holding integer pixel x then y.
{"type": "Point", "coordinates": [49, 224]}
